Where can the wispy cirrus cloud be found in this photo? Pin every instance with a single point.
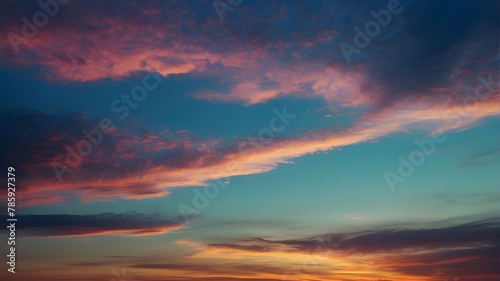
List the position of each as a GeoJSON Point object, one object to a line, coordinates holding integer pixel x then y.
{"type": "Point", "coordinates": [140, 163]}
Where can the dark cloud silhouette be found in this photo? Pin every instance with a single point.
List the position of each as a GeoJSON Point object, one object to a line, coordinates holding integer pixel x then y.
{"type": "Point", "coordinates": [130, 224]}
{"type": "Point", "coordinates": [469, 250]}
{"type": "Point", "coordinates": [437, 45]}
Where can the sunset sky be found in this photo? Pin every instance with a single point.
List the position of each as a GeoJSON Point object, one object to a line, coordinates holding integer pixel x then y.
{"type": "Point", "coordinates": [246, 140]}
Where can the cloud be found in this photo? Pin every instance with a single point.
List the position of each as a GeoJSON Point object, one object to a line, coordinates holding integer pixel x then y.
{"type": "Point", "coordinates": [449, 200]}
{"type": "Point", "coordinates": [115, 167]}
{"type": "Point", "coordinates": [468, 250]}
{"type": "Point", "coordinates": [93, 40]}
{"type": "Point", "coordinates": [207, 269]}
{"type": "Point", "coordinates": [261, 52]}
{"type": "Point", "coordinates": [487, 157]}
{"type": "Point", "coordinates": [130, 224]}
{"type": "Point", "coordinates": [255, 58]}
{"type": "Point", "coordinates": [137, 162]}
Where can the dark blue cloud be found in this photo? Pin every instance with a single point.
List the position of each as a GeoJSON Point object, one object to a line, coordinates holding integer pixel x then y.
{"type": "Point", "coordinates": [469, 250]}
{"type": "Point", "coordinates": [99, 224]}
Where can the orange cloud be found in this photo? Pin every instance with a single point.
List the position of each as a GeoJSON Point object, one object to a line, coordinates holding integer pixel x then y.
{"type": "Point", "coordinates": [148, 165]}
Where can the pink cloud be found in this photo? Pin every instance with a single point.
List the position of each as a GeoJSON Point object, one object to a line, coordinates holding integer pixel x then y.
{"type": "Point", "coordinates": [148, 165]}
